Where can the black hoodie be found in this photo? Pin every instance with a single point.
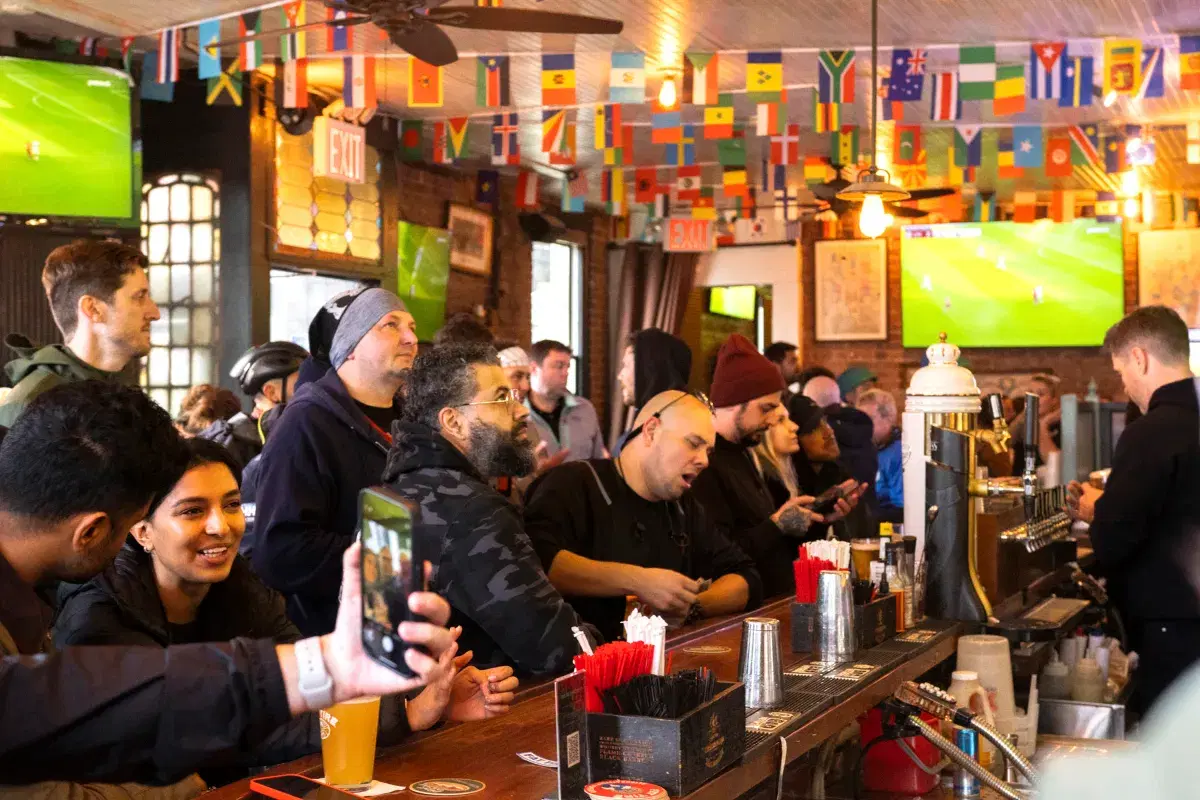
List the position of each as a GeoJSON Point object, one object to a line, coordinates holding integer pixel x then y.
{"type": "Point", "coordinates": [322, 453]}
{"type": "Point", "coordinates": [860, 458]}
{"type": "Point", "coordinates": [661, 362]}
{"type": "Point", "coordinates": [483, 563]}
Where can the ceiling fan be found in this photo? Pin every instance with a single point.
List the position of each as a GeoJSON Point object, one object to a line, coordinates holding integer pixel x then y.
{"type": "Point", "coordinates": [828, 192]}
{"type": "Point", "coordinates": [415, 25]}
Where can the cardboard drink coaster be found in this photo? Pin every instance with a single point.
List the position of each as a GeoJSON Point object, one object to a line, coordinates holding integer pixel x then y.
{"type": "Point", "coordinates": [447, 787]}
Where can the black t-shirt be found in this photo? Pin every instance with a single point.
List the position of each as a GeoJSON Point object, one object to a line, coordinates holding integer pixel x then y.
{"type": "Point", "coordinates": [382, 417]}
{"type": "Point", "coordinates": [187, 633]}
{"type": "Point", "coordinates": [567, 510]}
{"type": "Point", "coordinates": [552, 417]}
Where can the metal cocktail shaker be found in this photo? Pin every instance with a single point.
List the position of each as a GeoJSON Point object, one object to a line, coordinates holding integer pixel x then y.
{"type": "Point", "coordinates": [835, 640]}
{"type": "Point", "coordinates": [759, 664]}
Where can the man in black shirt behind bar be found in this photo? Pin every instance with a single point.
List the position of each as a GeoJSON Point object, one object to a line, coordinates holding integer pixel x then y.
{"type": "Point", "coordinates": [609, 528]}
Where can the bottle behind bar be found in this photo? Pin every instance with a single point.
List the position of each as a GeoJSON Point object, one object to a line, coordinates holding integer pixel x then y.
{"type": "Point", "coordinates": [895, 579]}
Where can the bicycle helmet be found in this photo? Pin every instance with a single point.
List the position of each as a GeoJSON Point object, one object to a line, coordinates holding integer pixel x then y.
{"type": "Point", "coordinates": [266, 362]}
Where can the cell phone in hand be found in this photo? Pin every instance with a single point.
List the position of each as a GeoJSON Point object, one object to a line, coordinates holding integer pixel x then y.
{"type": "Point", "coordinates": [295, 787]}
{"type": "Point", "coordinates": [390, 573]}
{"type": "Point", "coordinates": [827, 500]}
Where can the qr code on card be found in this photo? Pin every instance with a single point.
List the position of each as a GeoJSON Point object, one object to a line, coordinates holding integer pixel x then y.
{"type": "Point", "coordinates": [572, 749]}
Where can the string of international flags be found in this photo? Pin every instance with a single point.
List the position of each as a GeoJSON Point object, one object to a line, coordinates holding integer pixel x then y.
{"type": "Point", "coordinates": [1051, 72]}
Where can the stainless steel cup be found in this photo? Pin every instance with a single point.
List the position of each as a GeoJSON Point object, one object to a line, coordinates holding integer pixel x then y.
{"type": "Point", "coordinates": [759, 665]}
{"type": "Point", "coordinates": [835, 638]}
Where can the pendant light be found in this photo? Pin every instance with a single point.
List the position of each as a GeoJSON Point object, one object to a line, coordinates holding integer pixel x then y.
{"type": "Point", "coordinates": [873, 186]}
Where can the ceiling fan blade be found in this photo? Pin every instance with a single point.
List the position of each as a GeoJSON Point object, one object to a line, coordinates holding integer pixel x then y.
{"type": "Point", "coordinates": [929, 194]}
{"type": "Point", "coordinates": [520, 19]}
{"type": "Point", "coordinates": [827, 191]}
{"type": "Point", "coordinates": [905, 211]}
{"type": "Point", "coordinates": [426, 41]}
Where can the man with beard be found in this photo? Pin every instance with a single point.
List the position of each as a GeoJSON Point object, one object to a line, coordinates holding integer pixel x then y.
{"type": "Point", "coordinates": [331, 444]}
{"type": "Point", "coordinates": [746, 393]}
{"type": "Point", "coordinates": [463, 426]}
{"type": "Point", "coordinates": [819, 469]}
{"type": "Point", "coordinates": [628, 526]}
{"type": "Point", "coordinates": [100, 299]}
{"type": "Point", "coordinates": [857, 452]}
{"type": "Point", "coordinates": [784, 356]}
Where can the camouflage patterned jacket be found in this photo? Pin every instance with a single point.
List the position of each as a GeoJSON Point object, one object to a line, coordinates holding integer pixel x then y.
{"type": "Point", "coordinates": [484, 564]}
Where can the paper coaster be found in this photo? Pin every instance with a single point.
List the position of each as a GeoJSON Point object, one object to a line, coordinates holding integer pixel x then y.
{"type": "Point", "coordinates": [447, 787]}
{"type": "Point", "coordinates": [375, 789]}
{"type": "Point", "coordinates": [537, 761]}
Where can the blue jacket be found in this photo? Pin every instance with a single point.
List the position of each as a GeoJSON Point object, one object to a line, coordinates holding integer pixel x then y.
{"type": "Point", "coordinates": [889, 480]}
{"type": "Point", "coordinates": [320, 455]}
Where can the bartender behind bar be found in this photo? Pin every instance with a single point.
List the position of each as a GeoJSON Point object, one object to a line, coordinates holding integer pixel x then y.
{"type": "Point", "coordinates": [1145, 525]}
{"type": "Point", "coordinates": [609, 528]}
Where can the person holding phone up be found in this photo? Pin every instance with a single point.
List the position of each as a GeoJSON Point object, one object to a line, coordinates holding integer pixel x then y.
{"type": "Point", "coordinates": [77, 470]}
{"type": "Point", "coordinates": [180, 580]}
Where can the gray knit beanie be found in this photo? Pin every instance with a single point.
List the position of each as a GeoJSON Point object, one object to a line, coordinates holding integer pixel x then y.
{"type": "Point", "coordinates": [358, 319]}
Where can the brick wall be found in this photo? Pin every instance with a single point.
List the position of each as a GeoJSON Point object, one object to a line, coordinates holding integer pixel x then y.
{"type": "Point", "coordinates": [424, 193]}
{"type": "Point", "coordinates": [895, 363]}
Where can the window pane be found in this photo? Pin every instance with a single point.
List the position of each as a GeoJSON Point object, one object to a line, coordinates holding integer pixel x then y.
{"type": "Point", "coordinates": [202, 242]}
{"type": "Point", "coordinates": [181, 202]}
{"type": "Point", "coordinates": [159, 366]}
{"type": "Point", "coordinates": [162, 397]}
{"type": "Point", "coordinates": [160, 332]}
{"type": "Point", "coordinates": [159, 237]}
{"type": "Point", "coordinates": [202, 284]}
{"type": "Point", "coordinates": [202, 365]}
{"type": "Point", "coordinates": [158, 202]}
{"type": "Point", "coordinates": [181, 359]}
{"type": "Point", "coordinates": [296, 298]}
{"type": "Point", "coordinates": [160, 284]}
{"type": "Point", "coordinates": [202, 200]}
{"type": "Point", "coordinates": [176, 401]}
{"type": "Point", "coordinates": [181, 242]}
{"type": "Point", "coordinates": [181, 282]}
{"type": "Point", "coordinates": [181, 326]}
{"type": "Point", "coordinates": [202, 319]}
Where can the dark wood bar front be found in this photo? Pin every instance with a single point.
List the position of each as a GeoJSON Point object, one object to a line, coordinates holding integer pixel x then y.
{"type": "Point", "coordinates": [487, 751]}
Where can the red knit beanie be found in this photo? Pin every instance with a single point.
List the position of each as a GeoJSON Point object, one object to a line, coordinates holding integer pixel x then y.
{"type": "Point", "coordinates": [743, 374]}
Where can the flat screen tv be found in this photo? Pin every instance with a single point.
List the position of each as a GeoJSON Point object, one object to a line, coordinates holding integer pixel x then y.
{"type": "Point", "coordinates": [1008, 284]}
{"type": "Point", "coordinates": [66, 140]}
{"type": "Point", "coordinates": [739, 302]}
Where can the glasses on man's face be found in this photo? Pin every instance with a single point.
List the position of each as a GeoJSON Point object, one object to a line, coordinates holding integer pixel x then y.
{"type": "Point", "coordinates": [701, 396]}
{"type": "Point", "coordinates": [504, 395]}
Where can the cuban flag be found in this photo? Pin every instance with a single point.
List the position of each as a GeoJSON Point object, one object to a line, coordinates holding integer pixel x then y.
{"type": "Point", "coordinates": [1044, 70]}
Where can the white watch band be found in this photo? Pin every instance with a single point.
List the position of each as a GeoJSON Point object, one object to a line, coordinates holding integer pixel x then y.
{"type": "Point", "coordinates": [316, 687]}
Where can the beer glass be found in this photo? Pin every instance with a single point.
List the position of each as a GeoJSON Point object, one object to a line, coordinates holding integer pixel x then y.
{"type": "Point", "coordinates": [348, 741]}
{"type": "Point", "coordinates": [862, 553]}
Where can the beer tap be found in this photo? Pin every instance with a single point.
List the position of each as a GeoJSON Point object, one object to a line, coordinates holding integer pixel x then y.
{"type": "Point", "coordinates": [1029, 481]}
{"type": "Point", "coordinates": [998, 437]}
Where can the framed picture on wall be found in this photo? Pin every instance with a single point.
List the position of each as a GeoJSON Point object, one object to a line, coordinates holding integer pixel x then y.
{"type": "Point", "coordinates": [470, 239]}
{"type": "Point", "coordinates": [850, 290]}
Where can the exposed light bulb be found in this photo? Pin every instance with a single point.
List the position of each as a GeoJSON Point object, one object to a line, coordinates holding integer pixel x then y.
{"type": "Point", "coordinates": [667, 96]}
{"type": "Point", "coordinates": [1110, 98]}
{"type": "Point", "coordinates": [1132, 207]}
{"type": "Point", "coordinates": [1129, 183]}
{"type": "Point", "coordinates": [872, 220]}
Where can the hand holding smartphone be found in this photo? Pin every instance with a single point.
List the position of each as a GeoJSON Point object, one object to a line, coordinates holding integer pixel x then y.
{"type": "Point", "coordinates": [390, 573]}
{"type": "Point", "coordinates": [827, 500]}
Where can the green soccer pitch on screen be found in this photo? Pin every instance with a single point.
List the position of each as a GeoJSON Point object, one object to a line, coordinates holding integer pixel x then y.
{"type": "Point", "coordinates": [1008, 284]}
{"type": "Point", "coordinates": [65, 140]}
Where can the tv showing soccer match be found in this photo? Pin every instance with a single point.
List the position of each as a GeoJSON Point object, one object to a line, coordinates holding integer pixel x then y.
{"type": "Point", "coordinates": [1008, 284]}
{"type": "Point", "coordinates": [66, 140]}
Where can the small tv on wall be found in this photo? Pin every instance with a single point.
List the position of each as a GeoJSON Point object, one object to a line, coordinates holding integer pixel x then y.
{"type": "Point", "coordinates": [739, 302]}
{"type": "Point", "coordinates": [66, 140]}
{"type": "Point", "coordinates": [1008, 284]}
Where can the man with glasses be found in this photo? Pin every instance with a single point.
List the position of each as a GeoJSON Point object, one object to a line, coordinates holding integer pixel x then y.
{"type": "Point", "coordinates": [610, 528]}
{"type": "Point", "coordinates": [463, 426]}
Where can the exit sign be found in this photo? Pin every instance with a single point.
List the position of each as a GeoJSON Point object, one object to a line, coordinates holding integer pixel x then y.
{"type": "Point", "coordinates": [339, 150]}
{"type": "Point", "coordinates": [685, 235]}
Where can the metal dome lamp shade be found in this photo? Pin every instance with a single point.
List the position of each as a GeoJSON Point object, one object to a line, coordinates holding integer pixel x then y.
{"type": "Point", "coordinates": [873, 182]}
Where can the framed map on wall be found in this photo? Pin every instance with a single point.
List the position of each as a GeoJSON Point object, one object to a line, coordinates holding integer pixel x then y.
{"type": "Point", "coordinates": [850, 290]}
{"type": "Point", "coordinates": [1169, 271]}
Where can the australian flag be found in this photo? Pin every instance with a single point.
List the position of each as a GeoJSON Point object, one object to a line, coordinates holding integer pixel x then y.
{"type": "Point", "coordinates": [908, 74]}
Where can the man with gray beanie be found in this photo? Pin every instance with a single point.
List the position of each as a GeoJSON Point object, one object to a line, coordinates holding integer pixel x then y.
{"type": "Point", "coordinates": [330, 444]}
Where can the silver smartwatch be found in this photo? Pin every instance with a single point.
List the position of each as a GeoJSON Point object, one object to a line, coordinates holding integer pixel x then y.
{"type": "Point", "coordinates": [316, 687]}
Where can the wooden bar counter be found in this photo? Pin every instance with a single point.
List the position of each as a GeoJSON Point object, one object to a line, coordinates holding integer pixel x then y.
{"type": "Point", "coordinates": [487, 751]}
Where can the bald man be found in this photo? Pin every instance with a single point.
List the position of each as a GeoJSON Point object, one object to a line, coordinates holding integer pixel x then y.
{"type": "Point", "coordinates": [609, 528]}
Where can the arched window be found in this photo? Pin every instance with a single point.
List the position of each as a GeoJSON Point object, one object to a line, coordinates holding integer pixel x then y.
{"type": "Point", "coordinates": [181, 237]}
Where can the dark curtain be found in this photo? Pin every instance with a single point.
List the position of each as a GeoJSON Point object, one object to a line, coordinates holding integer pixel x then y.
{"type": "Point", "coordinates": [652, 293]}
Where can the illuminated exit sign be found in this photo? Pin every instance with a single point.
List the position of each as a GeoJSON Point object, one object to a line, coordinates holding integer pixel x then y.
{"type": "Point", "coordinates": [686, 235]}
{"type": "Point", "coordinates": [339, 150]}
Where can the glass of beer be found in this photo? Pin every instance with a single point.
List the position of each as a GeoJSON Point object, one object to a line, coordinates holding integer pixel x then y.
{"type": "Point", "coordinates": [862, 553]}
{"type": "Point", "coordinates": [348, 742]}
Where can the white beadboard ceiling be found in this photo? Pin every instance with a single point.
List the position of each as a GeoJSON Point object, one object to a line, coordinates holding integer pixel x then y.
{"type": "Point", "coordinates": [664, 29]}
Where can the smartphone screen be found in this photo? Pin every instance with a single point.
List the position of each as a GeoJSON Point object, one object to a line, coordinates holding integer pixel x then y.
{"type": "Point", "coordinates": [390, 573]}
{"type": "Point", "coordinates": [295, 786]}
